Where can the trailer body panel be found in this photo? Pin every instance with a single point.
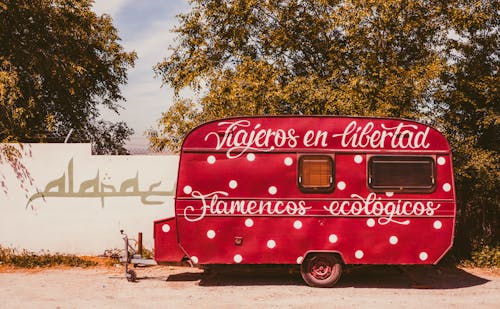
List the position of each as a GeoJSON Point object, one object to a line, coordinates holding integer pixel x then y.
{"type": "Point", "coordinates": [269, 190]}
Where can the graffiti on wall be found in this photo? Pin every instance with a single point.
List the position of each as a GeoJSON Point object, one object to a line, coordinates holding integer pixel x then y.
{"type": "Point", "coordinates": [97, 187]}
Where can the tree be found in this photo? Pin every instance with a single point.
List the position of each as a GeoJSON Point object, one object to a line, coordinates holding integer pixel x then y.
{"type": "Point", "coordinates": [112, 137]}
{"type": "Point", "coordinates": [176, 122]}
{"type": "Point", "coordinates": [433, 61]}
{"type": "Point", "coordinates": [469, 103]}
{"type": "Point", "coordinates": [12, 154]}
{"type": "Point", "coordinates": [59, 64]}
{"type": "Point", "coordinates": [304, 57]}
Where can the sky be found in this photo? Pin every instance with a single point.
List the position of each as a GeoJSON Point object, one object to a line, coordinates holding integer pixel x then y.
{"type": "Point", "coordinates": [144, 27]}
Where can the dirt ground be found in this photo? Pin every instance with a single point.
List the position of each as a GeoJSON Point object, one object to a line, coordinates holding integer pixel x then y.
{"type": "Point", "coordinates": [183, 287]}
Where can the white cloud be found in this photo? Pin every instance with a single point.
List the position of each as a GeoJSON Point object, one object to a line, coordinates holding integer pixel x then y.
{"type": "Point", "coordinates": [144, 96]}
{"type": "Point", "coordinates": [110, 7]}
{"type": "Point", "coordinates": [145, 30]}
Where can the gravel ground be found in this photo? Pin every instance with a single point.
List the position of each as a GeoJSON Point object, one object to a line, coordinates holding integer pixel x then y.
{"type": "Point", "coordinates": [182, 287]}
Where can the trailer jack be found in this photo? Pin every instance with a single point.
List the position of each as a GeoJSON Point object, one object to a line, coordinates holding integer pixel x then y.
{"type": "Point", "coordinates": [133, 256]}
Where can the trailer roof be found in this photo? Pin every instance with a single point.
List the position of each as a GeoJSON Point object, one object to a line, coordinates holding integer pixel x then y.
{"type": "Point", "coordinates": [240, 135]}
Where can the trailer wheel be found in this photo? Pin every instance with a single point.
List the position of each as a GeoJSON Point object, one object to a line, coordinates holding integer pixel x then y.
{"type": "Point", "coordinates": [131, 276]}
{"type": "Point", "coordinates": [321, 270]}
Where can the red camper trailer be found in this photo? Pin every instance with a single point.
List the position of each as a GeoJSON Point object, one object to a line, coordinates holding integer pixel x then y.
{"type": "Point", "coordinates": [316, 191]}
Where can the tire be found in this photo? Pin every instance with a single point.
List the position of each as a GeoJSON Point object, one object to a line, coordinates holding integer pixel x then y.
{"type": "Point", "coordinates": [321, 270]}
{"type": "Point", "coordinates": [131, 276]}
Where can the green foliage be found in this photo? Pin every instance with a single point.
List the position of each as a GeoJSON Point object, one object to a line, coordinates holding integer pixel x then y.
{"type": "Point", "coordinates": [176, 123]}
{"type": "Point", "coordinates": [107, 138]}
{"type": "Point", "coordinates": [26, 259]}
{"type": "Point", "coordinates": [433, 61]}
{"type": "Point", "coordinates": [12, 155]}
{"type": "Point", "coordinates": [148, 254]}
{"type": "Point", "coordinates": [60, 63]}
{"type": "Point", "coordinates": [469, 104]}
{"type": "Point", "coordinates": [303, 57]}
{"type": "Point", "coordinates": [484, 257]}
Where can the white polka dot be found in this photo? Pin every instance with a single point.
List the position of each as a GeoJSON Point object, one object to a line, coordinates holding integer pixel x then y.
{"type": "Point", "coordinates": [299, 260]}
{"type": "Point", "coordinates": [437, 224]}
{"type": "Point", "coordinates": [211, 234]}
{"type": "Point", "coordinates": [297, 224]}
{"type": "Point", "coordinates": [370, 222]}
{"type": "Point", "coordinates": [341, 185]}
{"type": "Point", "coordinates": [250, 157]}
{"type": "Point", "coordinates": [389, 194]}
{"type": "Point", "coordinates": [272, 190]}
{"type": "Point", "coordinates": [248, 222]}
{"type": "Point", "coordinates": [359, 254]}
{"type": "Point", "coordinates": [165, 228]}
{"type": "Point", "coordinates": [194, 259]}
{"type": "Point", "coordinates": [446, 187]}
{"type": "Point", "coordinates": [358, 159]}
{"type": "Point", "coordinates": [271, 244]}
{"type": "Point", "coordinates": [288, 161]}
{"type": "Point", "coordinates": [423, 256]}
{"type": "Point", "coordinates": [233, 184]}
{"type": "Point", "coordinates": [393, 240]}
{"type": "Point", "coordinates": [441, 161]}
{"type": "Point", "coordinates": [238, 258]}
{"type": "Point", "coordinates": [333, 238]}
{"type": "Point", "coordinates": [211, 159]}
{"type": "Point", "coordinates": [188, 189]}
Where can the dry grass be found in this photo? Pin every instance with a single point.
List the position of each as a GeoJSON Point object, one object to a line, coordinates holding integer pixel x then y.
{"type": "Point", "coordinates": [12, 259]}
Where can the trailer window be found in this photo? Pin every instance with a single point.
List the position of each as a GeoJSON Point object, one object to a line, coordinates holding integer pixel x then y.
{"type": "Point", "coordinates": [401, 173]}
{"type": "Point", "coordinates": [316, 174]}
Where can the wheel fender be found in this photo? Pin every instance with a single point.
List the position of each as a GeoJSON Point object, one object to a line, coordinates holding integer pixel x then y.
{"type": "Point", "coordinates": [337, 253]}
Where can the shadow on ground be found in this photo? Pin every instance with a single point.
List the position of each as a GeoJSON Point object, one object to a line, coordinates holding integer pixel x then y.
{"type": "Point", "coordinates": [402, 277]}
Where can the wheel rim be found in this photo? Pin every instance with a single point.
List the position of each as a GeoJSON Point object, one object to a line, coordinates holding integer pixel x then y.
{"type": "Point", "coordinates": [321, 268]}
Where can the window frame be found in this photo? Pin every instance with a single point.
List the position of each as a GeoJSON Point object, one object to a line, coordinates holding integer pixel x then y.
{"type": "Point", "coordinates": [402, 188]}
{"type": "Point", "coordinates": [328, 189]}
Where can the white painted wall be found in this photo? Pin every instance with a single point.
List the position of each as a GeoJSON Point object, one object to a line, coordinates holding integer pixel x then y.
{"type": "Point", "coordinates": [84, 219]}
